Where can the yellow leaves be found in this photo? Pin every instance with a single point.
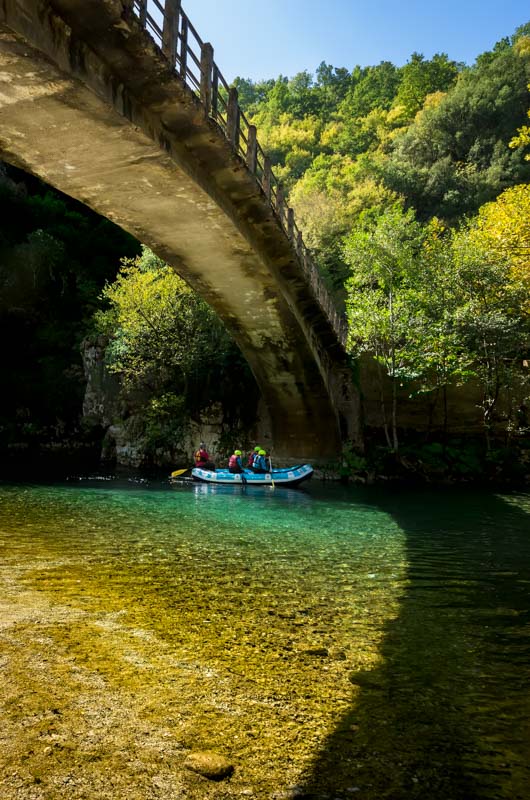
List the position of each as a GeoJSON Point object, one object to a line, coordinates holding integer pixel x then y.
{"type": "Point", "coordinates": [522, 140]}
{"type": "Point", "coordinates": [331, 134]}
{"type": "Point", "coordinates": [289, 133]}
{"type": "Point", "coordinates": [523, 137]}
{"type": "Point", "coordinates": [433, 100]}
{"type": "Point", "coordinates": [136, 290]}
{"type": "Point", "coordinates": [503, 229]}
{"type": "Point", "coordinates": [522, 46]}
{"type": "Point", "coordinates": [436, 231]}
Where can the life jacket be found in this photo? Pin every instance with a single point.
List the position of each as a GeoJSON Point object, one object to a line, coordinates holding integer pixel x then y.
{"type": "Point", "coordinates": [201, 457]}
{"type": "Point", "coordinates": [232, 461]}
{"type": "Point", "coordinates": [251, 459]}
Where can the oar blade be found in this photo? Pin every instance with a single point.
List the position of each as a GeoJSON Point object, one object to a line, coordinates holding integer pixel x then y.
{"type": "Point", "coordinates": [179, 472]}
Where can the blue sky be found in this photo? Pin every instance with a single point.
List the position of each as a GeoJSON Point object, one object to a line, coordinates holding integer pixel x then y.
{"type": "Point", "coordinates": [263, 39]}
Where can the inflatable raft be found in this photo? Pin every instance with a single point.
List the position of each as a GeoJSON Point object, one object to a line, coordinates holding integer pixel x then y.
{"type": "Point", "coordinates": [290, 476]}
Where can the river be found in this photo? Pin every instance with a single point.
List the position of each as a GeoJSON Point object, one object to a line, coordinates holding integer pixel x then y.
{"type": "Point", "coordinates": [330, 642]}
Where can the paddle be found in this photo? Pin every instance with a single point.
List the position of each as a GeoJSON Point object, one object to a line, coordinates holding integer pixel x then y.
{"type": "Point", "coordinates": [272, 478]}
{"type": "Point", "coordinates": [179, 472]}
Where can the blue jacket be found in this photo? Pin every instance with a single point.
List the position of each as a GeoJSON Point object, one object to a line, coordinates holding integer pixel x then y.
{"type": "Point", "coordinates": [260, 462]}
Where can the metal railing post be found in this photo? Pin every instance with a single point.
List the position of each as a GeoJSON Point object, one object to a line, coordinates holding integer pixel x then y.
{"type": "Point", "coordinates": [170, 30]}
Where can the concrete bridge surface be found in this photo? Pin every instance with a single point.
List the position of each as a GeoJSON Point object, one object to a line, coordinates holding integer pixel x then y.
{"type": "Point", "coordinates": [119, 104]}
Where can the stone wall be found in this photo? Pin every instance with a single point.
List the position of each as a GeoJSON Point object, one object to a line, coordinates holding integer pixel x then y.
{"type": "Point", "coordinates": [121, 418]}
{"type": "Point", "coordinates": [422, 412]}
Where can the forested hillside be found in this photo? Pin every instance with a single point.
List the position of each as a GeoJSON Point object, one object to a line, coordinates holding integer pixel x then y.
{"type": "Point", "coordinates": [432, 135]}
{"type": "Point", "coordinates": [411, 185]}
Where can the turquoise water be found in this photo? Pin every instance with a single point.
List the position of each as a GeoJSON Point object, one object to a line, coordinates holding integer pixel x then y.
{"type": "Point", "coordinates": [330, 642]}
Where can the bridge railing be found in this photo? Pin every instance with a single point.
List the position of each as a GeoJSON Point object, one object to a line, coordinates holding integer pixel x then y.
{"type": "Point", "coordinates": [192, 59]}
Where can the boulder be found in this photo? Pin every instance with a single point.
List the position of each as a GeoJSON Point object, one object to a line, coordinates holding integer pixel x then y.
{"type": "Point", "coordinates": [209, 764]}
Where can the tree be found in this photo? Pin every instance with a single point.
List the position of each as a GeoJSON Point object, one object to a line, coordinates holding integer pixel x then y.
{"type": "Point", "coordinates": [375, 88]}
{"type": "Point", "coordinates": [439, 354]}
{"type": "Point", "coordinates": [171, 351]}
{"type": "Point", "coordinates": [251, 94]}
{"type": "Point", "coordinates": [503, 231]}
{"type": "Point", "coordinates": [328, 201]}
{"type": "Point", "coordinates": [381, 308]}
{"type": "Point", "coordinates": [161, 332]}
{"type": "Point", "coordinates": [454, 157]}
{"type": "Point", "coordinates": [523, 136]}
{"type": "Point", "coordinates": [494, 326]}
{"type": "Point", "coordinates": [420, 78]}
{"type": "Point", "coordinates": [332, 84]}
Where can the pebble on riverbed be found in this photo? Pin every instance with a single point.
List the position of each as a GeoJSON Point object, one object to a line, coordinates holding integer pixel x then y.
{"type": "Point", "coordinates": [209, 764]}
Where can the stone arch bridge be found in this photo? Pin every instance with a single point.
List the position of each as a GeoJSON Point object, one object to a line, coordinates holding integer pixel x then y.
{"type": "Point", "coordinates": [119, 104]}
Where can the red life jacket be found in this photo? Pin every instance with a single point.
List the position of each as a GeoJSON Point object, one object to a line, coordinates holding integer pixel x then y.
{"type": "Point", "coordinates": [232, 461]}
{"type": "Point", "coordinates": [201, 457]}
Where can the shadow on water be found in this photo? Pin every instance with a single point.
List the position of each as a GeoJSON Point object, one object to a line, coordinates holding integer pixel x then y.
{"type": "Point", "coordinates": [446, 714]}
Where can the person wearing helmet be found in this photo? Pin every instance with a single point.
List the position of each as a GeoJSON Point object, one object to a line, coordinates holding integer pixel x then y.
{"type": "Point", "coordinates": [252, 457]}
{"type": "Point", "coordinates": [260, 463]}
{"type": "Point", "coordinates": [234, 462]}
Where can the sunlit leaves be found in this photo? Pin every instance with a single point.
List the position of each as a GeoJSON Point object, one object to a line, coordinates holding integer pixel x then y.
{"type": "Point", "coordinates": [158, 326]}
{"type": "Point", "coordinates": [420, 78]}
{"type": "Point", "coordinates": [502, 230]}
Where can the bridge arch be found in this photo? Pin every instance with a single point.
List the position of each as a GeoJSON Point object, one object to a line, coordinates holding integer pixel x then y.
{"type": "Point", "coordinates": [90, 103]}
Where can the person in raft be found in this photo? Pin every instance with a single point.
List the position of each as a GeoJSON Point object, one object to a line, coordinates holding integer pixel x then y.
{"type": "Point", "coordinates": [234, 463]}
{"type": "Point", "coordinates": [260, 463]}
{"type": "Point", "coordinates": [202, 458]}
{"type": "Point", "coordinates": [253, 456]}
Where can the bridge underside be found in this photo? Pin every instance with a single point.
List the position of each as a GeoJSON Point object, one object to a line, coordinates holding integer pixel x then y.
{"type": "Point", "coordinates": [156, 167]}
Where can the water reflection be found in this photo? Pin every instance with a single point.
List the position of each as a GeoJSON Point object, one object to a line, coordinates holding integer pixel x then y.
{"type": "Point", "coordinates": [263, 495]}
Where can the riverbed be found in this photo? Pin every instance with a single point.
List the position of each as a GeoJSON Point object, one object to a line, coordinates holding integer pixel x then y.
{"type": "Point", "coordinates": [328, 642]}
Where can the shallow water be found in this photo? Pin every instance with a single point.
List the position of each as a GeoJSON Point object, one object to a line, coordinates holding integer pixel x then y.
{"type": "Point", "coordinates": [330, 642]}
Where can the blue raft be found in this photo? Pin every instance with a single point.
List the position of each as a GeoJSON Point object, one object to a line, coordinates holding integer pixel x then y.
{"type": "Point", "coordinates": [290, 476]}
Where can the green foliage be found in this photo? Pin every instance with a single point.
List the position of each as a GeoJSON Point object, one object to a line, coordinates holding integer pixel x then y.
{"type": "Point", "coordinates": [352, 462]}
{"type": "Point", "coordinates": [420, 78]}
{"type": "Point", "coordinates": [375, 87]}
{"type": "Point", "coordinates": [382, 303]}
{"type": "Point", "coordinates": [457, 459]}
{"type": "Point", "coordinates": [439, 308]}
{"type": "Point", "coordinates": [165, 420]}
{"type": "Point", "coordinates": [165, 341]}
{"type": "Point", "coordinates": [455, 156]}
{"type": "Point", "coordinates": [494, 326]}
{"type": "Point", "coordinates": [159, 326]}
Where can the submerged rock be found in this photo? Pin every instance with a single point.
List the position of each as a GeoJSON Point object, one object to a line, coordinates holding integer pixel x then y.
{"type": "Point", "coordinates": [315, 651]}
{"type": "Point", "coordinates": [210, 764]}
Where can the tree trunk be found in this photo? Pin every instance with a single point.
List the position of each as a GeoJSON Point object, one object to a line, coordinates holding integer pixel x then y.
{"type": "Point", "coordinates": [394, 416]}
{"type": "Point", "coordinates": [383, 407]}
